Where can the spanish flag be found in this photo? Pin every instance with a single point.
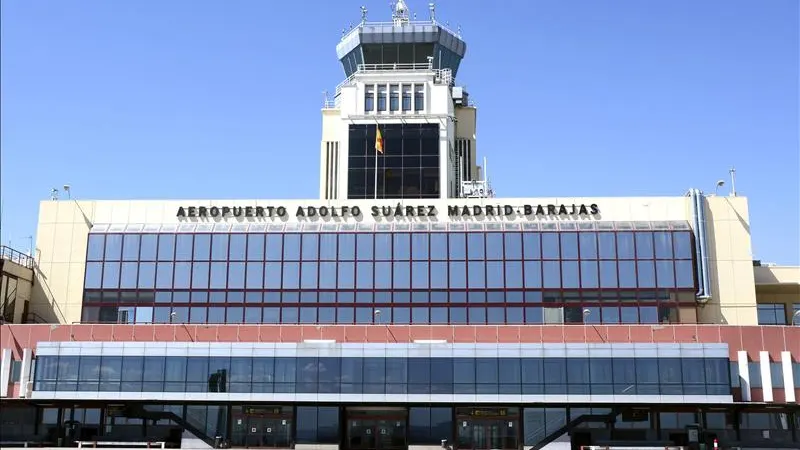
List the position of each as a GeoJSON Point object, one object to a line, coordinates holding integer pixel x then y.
{"type": "Point", "coordinates": [378, 140]}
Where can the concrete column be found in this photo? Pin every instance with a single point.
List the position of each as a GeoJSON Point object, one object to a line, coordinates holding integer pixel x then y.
{"type": "Point", "coordinates": [5, 371]}
{"type": "Point", "coordinates": [788, 379]}
{"type": "Point", "coordinates": [766, 375]}
{"type": "Point", "coordinates": [744, 375]}
{"type": "Point", "coordinates": [25, 385]}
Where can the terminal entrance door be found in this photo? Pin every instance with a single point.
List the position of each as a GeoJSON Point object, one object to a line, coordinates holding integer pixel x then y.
{"type": "Point", "coordinates": [376, 429]}
{"type": "Point", "coordinates": [262, 426]}
{"type": "Point", "coordinates": [487, 428]}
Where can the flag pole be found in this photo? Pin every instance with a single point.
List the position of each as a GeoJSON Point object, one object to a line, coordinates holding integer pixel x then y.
{"type": "Point", "coordinates": [375, 192]}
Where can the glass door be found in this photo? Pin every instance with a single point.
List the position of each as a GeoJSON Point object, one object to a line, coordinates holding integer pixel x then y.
{"type": "Point", "coordinates": [261, 427]}
{"type": "Point", "coordinates": [487, 429]}
{"type": "Point", "coordinates": [376, 430]}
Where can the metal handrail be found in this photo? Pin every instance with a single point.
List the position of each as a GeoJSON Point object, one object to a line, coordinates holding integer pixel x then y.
{"type": "Point", "coordinates": [404, 24]}
{"type": "Point", "coordinates": [16, 256]}
{"type": "Point", "coordinates": [441, 76]}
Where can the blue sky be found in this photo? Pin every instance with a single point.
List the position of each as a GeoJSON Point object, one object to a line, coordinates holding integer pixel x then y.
{"type": "Point", "coordinates": [221, 99]}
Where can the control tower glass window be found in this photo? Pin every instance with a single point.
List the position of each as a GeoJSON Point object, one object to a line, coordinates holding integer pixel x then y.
{"type": "Point", "coordinates": [407, 168]}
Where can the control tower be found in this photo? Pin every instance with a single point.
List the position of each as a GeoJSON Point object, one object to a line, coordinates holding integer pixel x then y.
{"type": "Point", "coordinates": [399, 126]}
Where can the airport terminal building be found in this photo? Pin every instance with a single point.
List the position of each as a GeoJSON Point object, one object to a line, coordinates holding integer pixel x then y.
{"type": "Point", "coordinates": [407, 307]}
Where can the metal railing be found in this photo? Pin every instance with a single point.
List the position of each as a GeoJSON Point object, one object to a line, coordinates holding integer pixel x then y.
{"type": "Point", "coordinates": [400, 25]}
{"type": "Point", "coordinates": [16, 256]}
{"type": "Point", "coordinates": [440, 76]}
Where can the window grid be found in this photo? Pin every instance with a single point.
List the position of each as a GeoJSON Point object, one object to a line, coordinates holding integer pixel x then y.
{"type": "Point", "coordinates": [393, 375]}
{"type": "Point", "coordinates": [529, 259]}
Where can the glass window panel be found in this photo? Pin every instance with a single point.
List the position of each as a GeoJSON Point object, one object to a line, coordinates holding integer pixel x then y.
{"type": "Point", "coordinates": [347, 247]}
{"type": "Point", "coordinates": [291, 247]}
{"type": "Point", "coordinates": [627, 274]}
{"type": "Point", "coordinates": [401, 275]}
{"type": "Point", "coordinates": [682, 244]}
{"type": "Point", "coordinates": [129, 276]}
{"type": "Point", "coordinates": [202, 247]}
{"type": "Point", "coordinates": [569, 245]}
{"type": "Point", "coordinates": [345, 315]}
{"type": "Point", "coordinates": [364, 275]}
{"type": "Point", "coordinates": [438, 246]}
{"type": "Point", "coordinates": [665, 274]}
{"type": "Point", "coordinates": [183, 247]}
{"type": "Point", "coordinates": [383, 275]}
{"type": "Point", "coordinates": [274, 247]}
{"type": "Point", "coordinates": [607, 245]}
{"type": "Point", "coordinates": [419, 246]}
{"type": "Point", "coordinates": [166, 247]}
{"type": "Point", "coordinates": [610, 314]}
{"type": "Point", "coordinates": [589, 274]}
{"type": "Point", "coordinates": [494, 246]}
{"type": "Point", "coordinates": [310, 247]}
{"type": "Point", "coordinates": [684, 274]}
{"type": "Point", "coordinates": [513, 246]}
{"type": "Point", "coordinates": [515, 315]}
{"type": "Point", "coordinates": [130, 247]}
{"type": "Point", "coordinates": [200, 275]}
{"type": "Point", "coordinates": [113, 247]}
{"type": "Point", "coordinates": [629, 314]}
{"type": "Point", "coordinates": [383, 246]}
{"type": "Point", "coordinates": [588, 244]}
{"type": "Point", "coordinates": [237, 247]}
{"type": "Point", "coordinates": [419, 315]}
{"type": "Point", "coordinates": [364, 246]}
{"type": "Point", "coordinates": [236, 273]}
{"type": "Point", "coordinates": [531, 245]}
{"type": "Point", "coordinates": [291, 275]}
{"type": "Point", "coordinates": [402, 246]}
{"type": "Point", "coordinates": [439, 275]}
{"type": "Point", "coordinates": [608, 274]}
{"type": "Point", "coordinates": [219, 275]}
{"type": "Point", "coordinates": [494, 274]}
{"type": "Point", "coordinates": [569, 274]}
{"type": "Point", "coordinates": [533, 274]}
{"type": "Point", "coordinates": [662, 241]}
{"type": "Point", "coordinates": [477, 315]}
{"type": "Point", "coordinates": [148, 247]}
{"type": "Point", "coordinates": [255, 274]}
{"type": "Point", "coordinates": [458, 246]}
{"type": "Point", "coordinates": [346, 276]}
{"type": "Point", "coordinates": [513, 274]}
{"type": "Point", "coordinates": [625, 245]}
{"type": "Point", "coordinates": [476, 274]}
{"type": "Point", "coordinates": [646, 273]}
{"type": "Point", "coordinates": [147, 275]}
{"type": "Point", "coordinates": [272, 275]}
{"type": "Point", "coordinates": [475, 246]}
{"type": "Point", "coordinates": [308, 273]}
{"type": "Point", "coordinates": [495, 315]}
{"type": "Point", "coordinates": [219, 247]}
{"type": "Point", "coordinates": [438, 315]}
{"type": "Point", "coordinates": [550, 244]}
{"type": "Point", "coordinates": [551, 274]}
{"type": "Point", "coordinates": [644, 245]}
{"type": "Point", "coordinates": [255, 247]}
{"type": "Point", "coordinates": [96, 247]}
{"type": "Point", "coordinates": [94, 275]}
{"type": "Point", "coordinates": [111, 275]}
{"type": "Point", "coordinates": [648, 314]}
{"type": "Point", "coordinates": [401, 315]}
{"type": "Point", "coordinates": [419, 274]}
{"type": "Point", "coordinates": [458, 275]}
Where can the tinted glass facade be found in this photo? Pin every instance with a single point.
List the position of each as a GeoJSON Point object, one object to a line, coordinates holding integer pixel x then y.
{"type": "Point", "coordinates": [507, 276]}
{"type": "Point", "coordinates": [408, 166]}
{"type": "Point", "coordinates": [365, 375]}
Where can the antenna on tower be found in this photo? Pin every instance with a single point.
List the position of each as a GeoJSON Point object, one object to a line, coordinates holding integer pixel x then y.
{"type": "Point", "coordinates": [363, 14]}
{"type": "Point", "coordinates": [400, 13]}
{"type": "Point", "coordinates": [432, 9]}
{"type": "Point", "coordinates": [733, 181]}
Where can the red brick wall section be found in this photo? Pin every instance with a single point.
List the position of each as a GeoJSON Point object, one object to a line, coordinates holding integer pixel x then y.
{"type": "Point", "coordinates": [752, 339]}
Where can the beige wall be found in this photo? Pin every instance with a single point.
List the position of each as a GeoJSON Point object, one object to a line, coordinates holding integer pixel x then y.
{"type": "Point", "coordinates": [730, 263]}
{"type": "Point", "coordinates": [63, 235]}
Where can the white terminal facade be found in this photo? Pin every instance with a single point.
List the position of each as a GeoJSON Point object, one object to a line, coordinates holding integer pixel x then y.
{"type": "Point", "coordinates": [407, 308]}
